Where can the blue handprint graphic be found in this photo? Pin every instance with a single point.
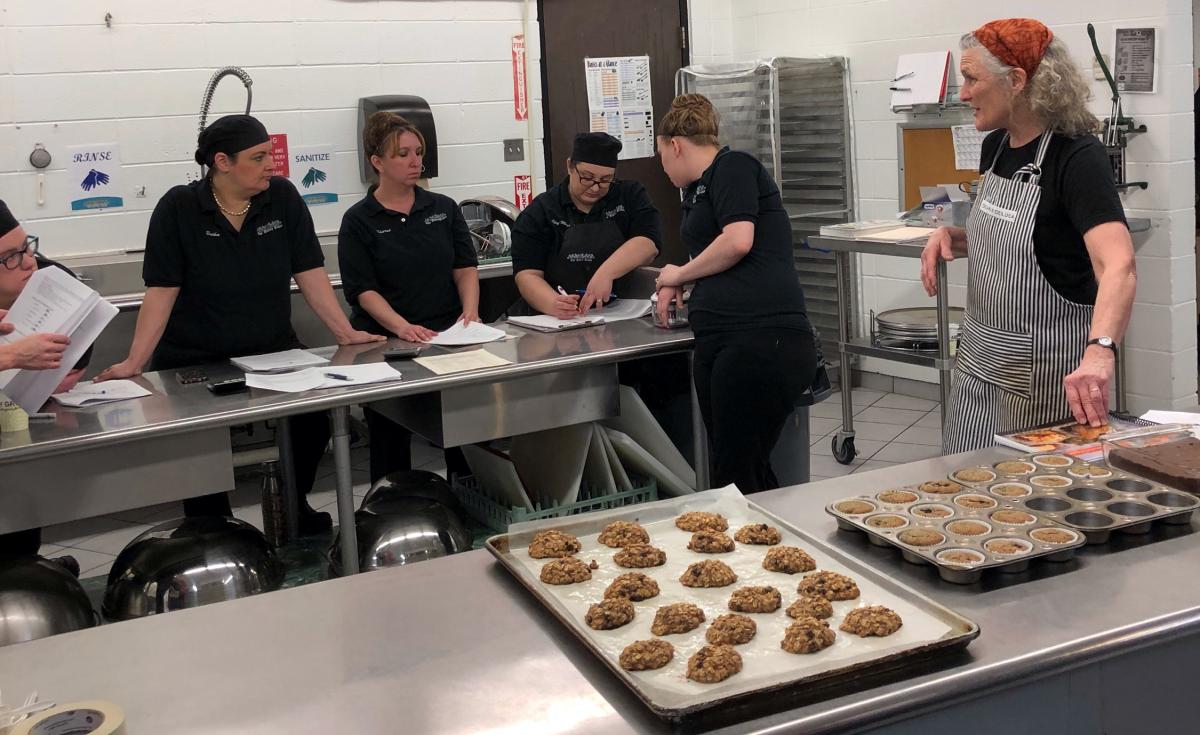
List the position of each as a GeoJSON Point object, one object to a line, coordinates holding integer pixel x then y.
{"type": "Point", "coordinates": [313, 176]}
{"type": "Point", "coordinates": [93, 179]}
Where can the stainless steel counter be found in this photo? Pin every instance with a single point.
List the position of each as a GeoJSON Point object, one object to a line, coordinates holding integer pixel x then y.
{"type": "Point", "coordinates": [455, 646]}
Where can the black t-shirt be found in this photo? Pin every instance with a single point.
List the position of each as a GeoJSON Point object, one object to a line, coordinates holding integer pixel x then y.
{"type": "Point", "coordinates": [1078, 193]}
{"type": "Point", "coordinates": [408, 259]}
{"type": "Point", "coordinates": [234, 287]}
{"type": "Point", "coordinates": [540, 228]}
{"type": "Point", "coordinates": [761, 289]}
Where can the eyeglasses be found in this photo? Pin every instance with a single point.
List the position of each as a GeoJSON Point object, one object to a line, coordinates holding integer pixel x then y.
{"type": "Point", "coordinates": [12, 261]}
{"type": "Point", "coordinates": [589, 181]}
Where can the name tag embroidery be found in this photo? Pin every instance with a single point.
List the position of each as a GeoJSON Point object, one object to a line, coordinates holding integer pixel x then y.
{"type": "Point", "coordinates": [610, 213]}
{"type": "Point", "coordinates": [269, 227]}
{"type": "Point", "coordinates": [212, 233]}
{"type": "Point", "coordinates": [1008, 215]}
{"type": "Point", "coordinates": [383, 232]}
{"type": "Point", "coordinates": [559, 223]}
{"type": "Point", "coordinates": [435, 218]}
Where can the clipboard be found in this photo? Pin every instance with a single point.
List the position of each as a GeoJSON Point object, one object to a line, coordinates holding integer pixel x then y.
{"type": "Point", "coordinates": [920, 80]}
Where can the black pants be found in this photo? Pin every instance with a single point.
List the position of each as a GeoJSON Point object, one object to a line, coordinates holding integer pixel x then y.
{"type": "Point", "coordinates": [391, 448]}
{"type": "Point", "coordinates": [747, 383]}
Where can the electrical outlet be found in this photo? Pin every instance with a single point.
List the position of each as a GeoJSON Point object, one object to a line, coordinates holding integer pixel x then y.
{"type": "Point", "coordinates": [1097, 72]}
{"type": "Point", "coordinates": [514, 149]}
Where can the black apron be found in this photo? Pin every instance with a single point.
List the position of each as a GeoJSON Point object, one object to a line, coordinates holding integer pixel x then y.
{"type": "Point", "coordinates": [584, 248]}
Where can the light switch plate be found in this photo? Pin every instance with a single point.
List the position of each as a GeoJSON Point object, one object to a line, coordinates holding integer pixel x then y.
{"type": "Point", "coordinates": [514, 149]}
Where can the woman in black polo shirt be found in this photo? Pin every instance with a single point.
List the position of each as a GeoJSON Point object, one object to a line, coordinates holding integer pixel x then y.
{"type": "Point", "coordinates": [754, 352]}
{"type": "Point", "coordinates": [408, 266]}
{"type": "Point", "coordinates": [220, 255]}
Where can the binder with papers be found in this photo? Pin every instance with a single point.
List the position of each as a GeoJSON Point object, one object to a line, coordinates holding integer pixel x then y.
{"type": "Point", "coordinates": [920, 80]}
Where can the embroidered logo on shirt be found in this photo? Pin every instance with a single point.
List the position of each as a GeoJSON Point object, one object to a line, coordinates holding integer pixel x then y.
{"type": "Point", "coordinates": [435, 218]}
{"type": "Point", "coordinates": [581, 257]}
{"type": "Point", "coordinates": [560, 223]}
{"type": "Point", "coordinates": [610, 213]}
{"type": "Point", "coordinates": [383, 232]}
{"type": "Point", "coordinates": [212, 233]}
{"type": "Point", "coordinates": [700, 190]}
{"type": "Point", "coordinates": [1008, 215]}
{"type": "Point", "coordinates": [269, 227]}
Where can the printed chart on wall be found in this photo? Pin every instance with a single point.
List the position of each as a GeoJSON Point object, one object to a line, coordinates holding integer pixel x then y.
{"type": "Point", "coordinates": [311, 172]}
{"type": "Point", "coordinates": [93, 173]}
{"type": "Point", "coordinates": [619, 102]}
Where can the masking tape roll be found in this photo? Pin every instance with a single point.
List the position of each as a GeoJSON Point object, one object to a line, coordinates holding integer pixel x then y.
{"type": "Point", "coordinates": [93, 717]}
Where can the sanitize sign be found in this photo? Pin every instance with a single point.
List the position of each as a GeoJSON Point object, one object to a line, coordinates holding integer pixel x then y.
{"type": "Point", "coordinates": [310, 169]}
{"type": "Point", "coordinates": [93, 173]}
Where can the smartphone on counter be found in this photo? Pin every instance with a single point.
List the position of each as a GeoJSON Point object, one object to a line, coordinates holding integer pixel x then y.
{"type": "Point", "coordinates": [225, 387]}
{"type": "Point", "coordinates": [401, 353]}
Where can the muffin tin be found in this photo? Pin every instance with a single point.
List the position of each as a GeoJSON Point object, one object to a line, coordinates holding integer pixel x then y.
{"type": "Point", "coordinates": [975, 529]}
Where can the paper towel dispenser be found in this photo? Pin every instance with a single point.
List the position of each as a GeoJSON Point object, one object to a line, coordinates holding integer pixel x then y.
{"type": "Point", "coordinates": [411, 108]}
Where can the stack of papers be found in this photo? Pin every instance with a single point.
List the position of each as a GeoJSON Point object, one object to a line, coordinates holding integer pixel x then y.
{"type": "Point", "coordinates": [473, 334]}
{"type": "Point", "coordinates": [546, 323]}
{"type": "Point", "coordinates": [52, 301]}
{"type": "Point", "coordinates": [461, 362]}
{"type": "Point", "coordinates": [278, 361]}
{"type": "Point", "coordinates": [920, 80]}
{"type": "Point", "coordinates": [339, 376]}
{"type": "Point", "coordinates": [89, 394]}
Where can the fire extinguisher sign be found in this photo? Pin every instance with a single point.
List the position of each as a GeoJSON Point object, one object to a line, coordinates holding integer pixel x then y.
{"type": "Point", "coordinates": [522, 190]}
{"type": "Point", "coordinates": [520, 87]}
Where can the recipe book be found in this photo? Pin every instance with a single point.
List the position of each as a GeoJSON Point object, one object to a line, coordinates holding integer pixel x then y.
{"type": "Point", "coordinates": [275, 362]}
{"type": "Point", "coordinates": [1068, 437]}
{"type": "Point", "coordinates": [52, 301]}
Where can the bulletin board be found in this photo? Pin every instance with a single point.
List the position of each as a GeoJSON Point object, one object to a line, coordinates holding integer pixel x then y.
{"type": "Point", "coordinates": [927, 159]}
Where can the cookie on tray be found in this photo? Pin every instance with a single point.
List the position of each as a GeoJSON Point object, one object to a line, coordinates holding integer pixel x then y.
{"type": "Point", "coordinates": [567, 571]}
{"type": "Point", "coordinates": [759, 534]}
{"type": "Point", "coordinates": [609, 614]}
{"type": "Point", "coordinates": [714, 663]}
{"type": "Point", "coordinates": [620, 534]}
{"type": "Point", "coordinates": [830, 585]}
{"type": "Point", "coordinates": [710, 542]}
{"type": "Point", "coordinates": [697, 520]}
{"type": "Point", "coordinates": [553, 544]}
{"type": "Point", "coordinates": [731, 629]}
{"type": "Point", "coordinates": [708, 573]}
{"type": "Point", "coordinates": [807, 635]}
{"type": "Point", "coordinates": [811, 606]}
{"type": "Point", "coordinates": [755, 599]}
{"type": "Point", "coordinates": [680, 617]}
{"type": "Point", "coordinates": [788, 560]}
{"type": "Point", "coordinates": [640, 556]}
{"type": "Point", "coordinates": [633, 586]}
{"type": "Point", "coordinates": [646, 655]}
{"type": "Point", "coordinates": [872, 620]}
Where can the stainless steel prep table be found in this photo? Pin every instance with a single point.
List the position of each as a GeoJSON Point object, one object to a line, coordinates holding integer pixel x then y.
{"type": "Point", "coordinates": [175, 443]}
{"type": "Point", "coordinates": [1107, 643]}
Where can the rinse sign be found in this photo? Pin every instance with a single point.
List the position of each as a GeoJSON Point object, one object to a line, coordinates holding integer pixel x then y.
{"type": "Point", "coordinates": [93, 172]}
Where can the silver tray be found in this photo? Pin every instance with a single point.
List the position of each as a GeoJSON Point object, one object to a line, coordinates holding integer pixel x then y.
{"type": "Point", "coordinates": [869, 656]}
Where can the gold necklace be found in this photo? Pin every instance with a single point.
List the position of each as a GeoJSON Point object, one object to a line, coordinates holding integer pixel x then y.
{"type": "Point", "coordinates": [226, 211]}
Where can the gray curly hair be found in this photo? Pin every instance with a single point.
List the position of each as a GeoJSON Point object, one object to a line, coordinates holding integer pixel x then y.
{"type": "Point", "coordinates": [1056, 94]}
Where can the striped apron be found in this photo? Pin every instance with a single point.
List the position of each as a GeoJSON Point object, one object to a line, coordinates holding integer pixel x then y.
{"type": "Point", "coordinates": [1020, 337]}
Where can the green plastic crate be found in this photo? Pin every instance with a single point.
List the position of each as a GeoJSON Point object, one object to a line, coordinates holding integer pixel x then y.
{"type": "Point", "coordinates": [486, 509]}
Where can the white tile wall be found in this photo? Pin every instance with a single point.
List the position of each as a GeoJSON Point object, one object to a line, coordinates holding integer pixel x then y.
{"type": "Point", "coordinates": [871, 33]}
{"type": "Point", "coordinates": [66, 79]}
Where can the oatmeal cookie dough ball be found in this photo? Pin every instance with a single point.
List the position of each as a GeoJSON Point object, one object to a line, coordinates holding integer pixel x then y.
{"type": "Point", "coordinates": [632, 586]}
{"type": "Point", "coordinates": [646, 655]}
{"type": "Point", "coordinates": [731, 629]}
{"type": "Point", "coordinates": [756, 599]}
{"type": "Point", "coordinates": [640, 556]}
{"type": "Point", "coordinates": [609, 614]}
{"type": "Point", "coordinates": [759, 534]}
{"type": "Point", "coordinates": [712, 664]}
{"type": "Point", "coordinates": [830, 585]}
{"type": "Point", "coordinates": [710, 542]}
{"type": "Point", "coordinates": [810, 606]}
{"type": "Point", "coordinates": [553, 544]}
{"type": "Point", "coordinates": [701, 521]}
{"type": "Point", "coordinates": [708, 573]}
{"type": "Point", "coordinates": [680, 617]}
{"type": "Point", "coordinates": [788, 560]}
{"type": "Point", "coordinates": [807, 635]}
{"type": "Point", "coordinates": [567, 571]}
{"type": "Point", "coordinates": [872, 620]}
{"type": "Point", "coordinates": [620, 534]}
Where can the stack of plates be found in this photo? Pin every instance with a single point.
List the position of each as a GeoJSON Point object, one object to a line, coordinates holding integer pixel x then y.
{"type": "Point", "coordinates": [912, 329]}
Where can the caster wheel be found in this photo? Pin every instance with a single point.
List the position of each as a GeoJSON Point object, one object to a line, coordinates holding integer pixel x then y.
{"type": "Point", "coordinates": [843, 451]}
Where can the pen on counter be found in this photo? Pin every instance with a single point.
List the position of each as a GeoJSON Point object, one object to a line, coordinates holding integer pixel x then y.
{"type": "Point", "coordinates": [337, 376]}
{"type": "Point", "coordinates": [43, 416]}
{"type": "Point", "coordinates": [900, 89]}
{"type": "Point", "coordinates": [905, 75]}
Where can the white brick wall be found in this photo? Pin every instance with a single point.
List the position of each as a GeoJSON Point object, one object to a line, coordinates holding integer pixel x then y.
{"type": "Point", "coordinates": [872, 33]}
{"type": "Point", "coordinates": [66, 79]}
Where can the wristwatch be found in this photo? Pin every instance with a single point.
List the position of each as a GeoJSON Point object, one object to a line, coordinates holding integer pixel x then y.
{"type": "Point", "coordinates": [1104, 342]}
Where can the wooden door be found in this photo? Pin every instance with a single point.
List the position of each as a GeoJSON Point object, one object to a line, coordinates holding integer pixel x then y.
{"type": "Point", "coordinates": [573, 30]}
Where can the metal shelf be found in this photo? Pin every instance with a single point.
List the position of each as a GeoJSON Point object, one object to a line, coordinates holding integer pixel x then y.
{"type": "Point", "coordinates": [864, 347]}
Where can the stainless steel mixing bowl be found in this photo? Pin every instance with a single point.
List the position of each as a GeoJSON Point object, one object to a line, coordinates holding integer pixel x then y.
{"type": "Point", "coordinates": [403, 530]}
{"type": "Point", "coordinates": [187, 563]}
{"type": "Point", "coordinates": [39, 598]}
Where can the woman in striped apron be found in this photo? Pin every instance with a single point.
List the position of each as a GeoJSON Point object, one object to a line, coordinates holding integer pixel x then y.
{"type": "Point", "coordinates": [1051, 276]}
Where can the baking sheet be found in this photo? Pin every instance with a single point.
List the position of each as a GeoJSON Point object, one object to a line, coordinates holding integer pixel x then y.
{"type": "Point", "coordinates": [765, 664]}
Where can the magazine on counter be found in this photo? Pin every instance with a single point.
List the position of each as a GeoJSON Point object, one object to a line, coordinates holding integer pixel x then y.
{"type": "Point", "coordinates": [1068, 437]}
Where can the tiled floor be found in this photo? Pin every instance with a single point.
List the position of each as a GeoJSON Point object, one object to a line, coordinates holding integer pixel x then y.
{"type": "Point", "coordinates": [889, 429]}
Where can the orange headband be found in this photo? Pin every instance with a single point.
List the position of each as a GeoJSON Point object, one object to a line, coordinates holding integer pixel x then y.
{"type": "Point", "coordinates": [1019, 42]}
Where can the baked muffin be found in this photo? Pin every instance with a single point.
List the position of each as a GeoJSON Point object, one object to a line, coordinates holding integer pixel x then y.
{"type": "Point", "coordinates": [609, 614]}
{"type": "Point", "coordinates": [940, 487]}
{"type": "Point", "coordinates": [887, 520]}
{"type": "Point", "coordinates": [646, 655]}
{"type": "Point", "coordinates": [1089, 471]}
{"type": "Point", "coordinates": [759, 534]}
{"type": "Point", "coordinates": [810, 606]}
{"type": "Point", "coordinates": [708, 573]}
{"type": "Point", "coordinates": [679, 617]}
{"type": "Point", "coordinates": [633, 586]}
{"type": "Point", "coordinates": [712, 664]}
{"type": "Point", "coordinates": [931, 511]}
{"type": "Point", "coordinates": [1049, 481]}
{"type": "Point", "coordinates": [710, 542]}
{"type": "Point", "coordinates": [961, 557]}
{"type": "Point", "coordinates": [553, 544]}
{"type": "Point", "coordinates": [757, 599]}
{"type": "Point", "coordinates": [1007, 546]}
{"type": "Point", "coordinates": [807, 635]}
{"type": "Point", "coordinates": [974, 474]}
{"type": "Point", "coordinates": [968, 528]}
{"type": "Point", "coordinates": [1053, 460]}
{"type": "Point", "coordinates": [1014, 467]}
{"type": "Point", "coordinates": [568, 570]}
{"type": "Point", "coordinates": [731, 629]}
{"type": "Point", "coordinates": [898, 497]}
{"type": "Point", "coordinates": [701, 521]}
{"type": "Point", "coordinates": [1013, 517]}
{"type": "Point", "coordinates": [788, 560]}
{"type": "Point", "coordinates": [854, 507]}
{"type": "Point", "coordinates": [1053, 535]}
{"type": "Point", "coordinates": [975, 502]}
{"type": "Point", "coordinates": [640, 556]}
{"type": "Point", "coordinates": [620, 534]}
{"type": "Point", "coordinates": [872, 620]}
{"type": "Point", "coordinates": [1010, 490]}
{"type": "Point", "coordinates": [830, 585]}
{"type": "Point", "coordinates": [921, 537]}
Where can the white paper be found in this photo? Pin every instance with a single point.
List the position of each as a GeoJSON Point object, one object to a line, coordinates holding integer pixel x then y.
{"type": "Point", "coordinates": [473, 334]}
{"type": "Point", "coordinates": [763, 660]}
{"type": "Point", "coordinates": [547, 323]}
{"type": "Point", "coordinates": [920, 79]}
{"type": "Point", "coordinates": [968, 146]}
{"type": "Point", "coordinates": [1172, 417]}
{"type": "Point", "coordinates": [461, 362]}
{"type": "Point", "coordinates": [619, 102]}
{"type": "Point", "coordinates": [1134, 60]}
{"type": "Point", "coordinates": [286, 360]}
{"type": "Point", "coordinates": [94, 177]}
{"type": "Point", "coordinates": [622, 309]}
{"type": "Point", "coordinates": [88, 393]}
{"type": "Point", "coordinates": [900, 234]}
{"type": "Point", "coordinates": [30, 388]}
{"type": "Point", "coordinates": [299, 381]}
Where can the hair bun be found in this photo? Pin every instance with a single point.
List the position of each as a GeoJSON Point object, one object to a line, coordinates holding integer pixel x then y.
{"type": "Point", "coordinates": [692, 101]}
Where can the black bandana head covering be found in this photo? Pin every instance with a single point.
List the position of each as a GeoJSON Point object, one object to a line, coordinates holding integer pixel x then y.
{"type": "Point", "coordinates": [599, 149]}
{"type": "Point", "coordinates": [230, 134]}
{"type": "Point", "coordinates": [8, 222]}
